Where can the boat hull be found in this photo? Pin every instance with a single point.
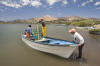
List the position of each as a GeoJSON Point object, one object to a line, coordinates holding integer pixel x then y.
{"type": "Point", "coordinates": [62, 51]}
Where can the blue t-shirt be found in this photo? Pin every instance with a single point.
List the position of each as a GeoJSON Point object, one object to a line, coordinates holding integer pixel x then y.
{"type": "Point", "coordinates": [29, 30]}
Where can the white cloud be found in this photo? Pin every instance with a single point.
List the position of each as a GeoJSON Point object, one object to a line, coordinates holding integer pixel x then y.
{"type": "Point", "coordinates": [36, 3]}
{"type": "Point", "coordinates": [65, 2]}
{"type": "Point", "coordinates": [83, 4]}
{"type": "Point", "coordinates": [51, 2]}
{"type": "Point", "coordinates": [98, 8]}
{"type": "Point", "coordinates": [91, 0]}
{"type": "Point", "coordinates": [88, 1]}
{"type": "Point", "coordinates": [25, 2]}
{"type": "Point", "coordinates": [97, 3]}
{"type": "Point", "coordinates": [75, 1]}
{"type": "Point", "coordinates": [11, 4]}
{"type": "Point", "coordinates": [21, 3]}
{"type": "Point", "coordinates": [1, 10]}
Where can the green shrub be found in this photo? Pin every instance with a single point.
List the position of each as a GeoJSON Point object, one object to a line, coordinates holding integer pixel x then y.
{"type": "Point", "coordinates": [94, 31]}
{"type": "Point", "coordinates": [82, 23]}
{"type": "Point", "coordinates": [68, 23]}
{"type": "Point", "coordinates": [96, 22]}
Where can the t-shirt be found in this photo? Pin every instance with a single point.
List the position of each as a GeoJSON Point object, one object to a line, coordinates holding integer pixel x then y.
{"type": "Point", "coordinates": [29, 30]}
{"type": "Point", "coordinates": [78, 38]}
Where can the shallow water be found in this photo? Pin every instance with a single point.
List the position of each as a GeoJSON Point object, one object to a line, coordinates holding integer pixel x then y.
{"type": "Point", "coordinates": [14, 52]}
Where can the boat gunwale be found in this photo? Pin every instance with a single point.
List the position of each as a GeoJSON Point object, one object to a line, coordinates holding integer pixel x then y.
{"type": "Point", "coordinates": [50, 44]}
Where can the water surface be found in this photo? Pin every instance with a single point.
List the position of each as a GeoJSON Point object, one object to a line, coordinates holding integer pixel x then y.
{"type": "Point", "coordinates": [14, 52]}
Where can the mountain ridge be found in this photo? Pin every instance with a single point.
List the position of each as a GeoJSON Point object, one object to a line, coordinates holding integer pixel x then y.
{"type": "Point", "coordinates": [50, 19]}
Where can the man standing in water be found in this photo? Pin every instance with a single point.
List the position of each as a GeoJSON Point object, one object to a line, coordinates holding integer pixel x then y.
{"type": "Point", "coordinates": [78, 39]}
{"type": "Point", "coordinates": [43, 27]}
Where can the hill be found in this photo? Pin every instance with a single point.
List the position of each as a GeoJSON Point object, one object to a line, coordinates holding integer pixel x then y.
{"type": "Point", "coordinates": [58, 20]}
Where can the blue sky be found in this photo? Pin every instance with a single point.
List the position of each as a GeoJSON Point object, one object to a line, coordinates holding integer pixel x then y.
{"type": "Point", "coordinates": [24, 9]}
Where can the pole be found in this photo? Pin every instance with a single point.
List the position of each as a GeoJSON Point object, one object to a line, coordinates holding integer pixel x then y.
{"type": "Point", "coordinates": [38, 31]}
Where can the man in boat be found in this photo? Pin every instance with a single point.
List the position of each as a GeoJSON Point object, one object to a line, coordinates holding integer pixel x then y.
{"type": "Point", "coordinates": [78, 39]}
{"type": "Point", "coordinates": [43, 27]}
{"type": "Point", "coordinates": [29, 32]}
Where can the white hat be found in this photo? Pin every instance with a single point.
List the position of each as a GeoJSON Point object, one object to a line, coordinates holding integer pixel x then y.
{"type": "Point", "coordinates": [72, 30]}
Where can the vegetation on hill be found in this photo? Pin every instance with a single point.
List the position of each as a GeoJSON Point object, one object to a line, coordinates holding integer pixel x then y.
{"type": "Point", "coordinates": [2, 22]}
{"type": "Point", "coordinates": [84, 22]}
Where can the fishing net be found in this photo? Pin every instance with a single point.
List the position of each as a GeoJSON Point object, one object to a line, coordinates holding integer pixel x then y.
{"type": "Point", "coordinates": [37, 33]}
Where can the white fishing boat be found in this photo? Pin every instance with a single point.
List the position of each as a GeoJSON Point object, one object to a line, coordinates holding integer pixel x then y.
{"type": "Point", "coordinates": [53, 46]}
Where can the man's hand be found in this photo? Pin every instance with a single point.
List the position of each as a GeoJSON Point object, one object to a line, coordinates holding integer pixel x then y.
{"type": "Point", "coordinates": [79, 44]}
{"type": "Point", "coordinates": [73, 41]}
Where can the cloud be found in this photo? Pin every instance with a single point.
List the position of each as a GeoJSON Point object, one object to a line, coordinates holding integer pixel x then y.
{"type": "Point", "coordinates": [21, 3]}
{"type": "Point", "coordinates": [75, 1]}
{"type": "Point", "coordinates": [65, 2]}
{"type": "Point", "coordinates": [88, 1]}
{"type": "Point", "coordinates": [10, 4]}
{"type": "Point", "coordinates": [36, 3]}
{"type": "Point", "coordinates": [1, 10]}
{"type": "Point", "coordinates": [83, 4]}
{"type": "Point", "coordinates": [51, 2]}
{"type": "Point", "coordinates": [91, 0]}
{"type": "Point", "coordinates": [25, 2]}
{"type": "Point", "coordinates": [98, 8]}
{"type": "Point", "coordinates": [97, 3]}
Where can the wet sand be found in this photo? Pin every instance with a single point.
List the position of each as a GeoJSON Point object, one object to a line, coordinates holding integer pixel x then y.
{"type": "Point", "coordinates": [14, 52]}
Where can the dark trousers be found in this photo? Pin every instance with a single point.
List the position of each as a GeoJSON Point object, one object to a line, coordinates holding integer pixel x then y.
{"type": "Point", "coordinates": [80, 51]}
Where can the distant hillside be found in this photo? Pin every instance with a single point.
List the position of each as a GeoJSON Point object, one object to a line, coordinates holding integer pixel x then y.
{"type": "Point", "coordinates": [71, 18]}
{"type": "Point", "coordinates": [50, 19]}
{"type": "Point", "coordinates": [45, 18]}
{"type": "Point", "coordinates": [1, 21]}
{"type": "Point", "coordinates": [97, 19]}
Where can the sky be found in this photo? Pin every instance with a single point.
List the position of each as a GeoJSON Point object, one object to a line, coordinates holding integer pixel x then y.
{"type": "Point", "coordinates": [25, 9]}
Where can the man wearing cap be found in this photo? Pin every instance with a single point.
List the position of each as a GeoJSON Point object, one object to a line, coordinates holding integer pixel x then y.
{"type": "Point", "coordinates": [43, 27]}
{"type": "Point", "coordinates": [78, 39]}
